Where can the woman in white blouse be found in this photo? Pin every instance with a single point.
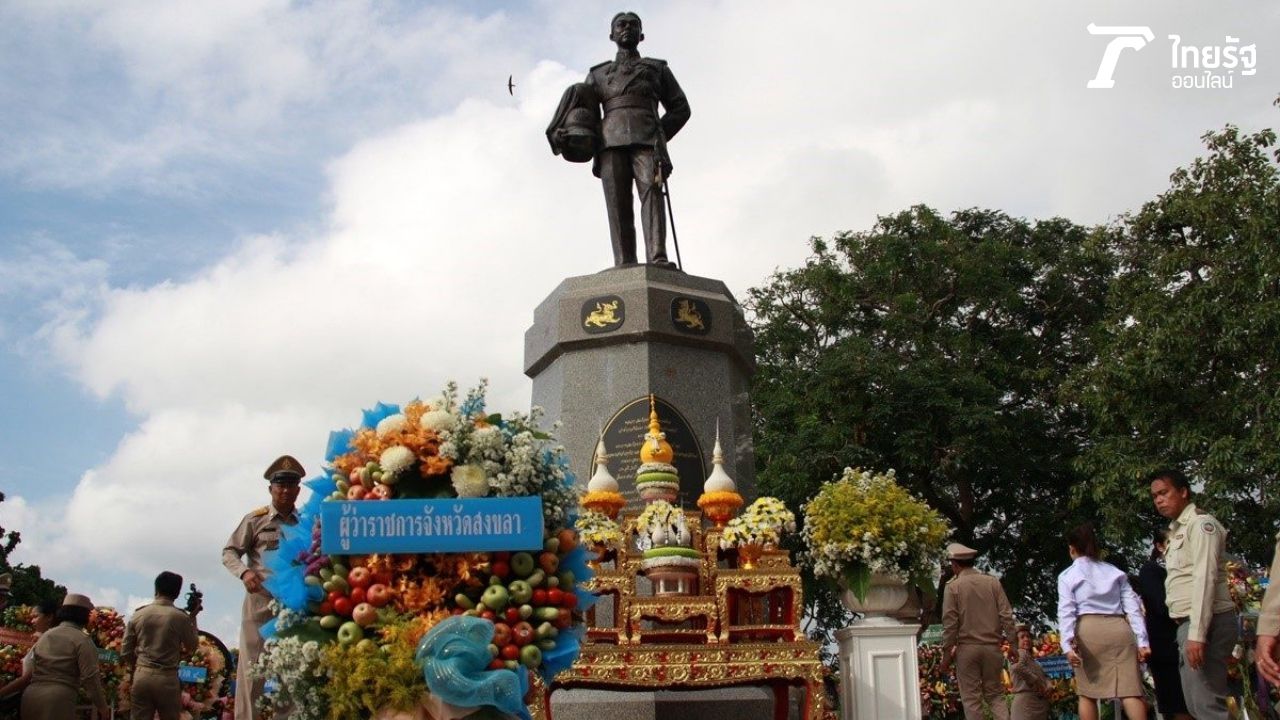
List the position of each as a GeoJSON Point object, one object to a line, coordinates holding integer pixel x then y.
{"type": "Point", "coordinates": [1103, 633]}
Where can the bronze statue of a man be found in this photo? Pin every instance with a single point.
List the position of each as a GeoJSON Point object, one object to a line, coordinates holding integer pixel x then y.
{"type": "Point", "coordinates": [630, 144]}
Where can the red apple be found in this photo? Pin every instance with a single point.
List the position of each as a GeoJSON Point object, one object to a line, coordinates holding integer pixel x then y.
{"type": "Point", "coordinates": [501, 568]}
{"type": "Point", "coordinates": [564, 619]}
{"type": "Point", "coordinates": [549, 562]}
{"type": "Point", "coordinates": [570, 600]}
{"type": "Point", "coordinates": [357, 595]}
{"type": "Point", "coordinates": [523, 633]}
{"type": "Point", "coordinates": [489, 615]}
{"type": "Point", "coordinates": [539, 597]}
{"type": "Point", "coordinates": [497, 664]}
{"type": "Point", "coordinates": [356, 492]}
{"type": "Point", "coordinates": [326, 607]}
{"type": "Point", "coordinates": [568, 540]}
{"type": "Point", "coordinates": [512, 615]}
{"type": "Point", "coordinates": [335, 594]}
{"type": "Point", "coordinates": [364, 614]}
{"type": "Point", "coordinates": [555, 596]}
{"type": "Point", "coordinates": [360, 577]}
{"type": "Point", "coordinates": [378, 595]}
{"type": "Point", "coordinates": [343, 606]}
{"type": "Point", "coordinates": [501, 634]}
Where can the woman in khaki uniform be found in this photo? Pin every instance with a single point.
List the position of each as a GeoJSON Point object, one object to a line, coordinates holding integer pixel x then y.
{"type": "Point", "coordinates": [1030, 684]}
{"type": "Point", "coordinates": [65, 661]}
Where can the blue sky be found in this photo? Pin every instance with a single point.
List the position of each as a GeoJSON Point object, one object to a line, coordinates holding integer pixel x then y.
{"type": "Point", "coordinates": [227, 227]}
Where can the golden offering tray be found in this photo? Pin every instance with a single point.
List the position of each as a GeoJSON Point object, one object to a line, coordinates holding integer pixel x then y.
{"type": "Point", "coordinates": [746, 633]}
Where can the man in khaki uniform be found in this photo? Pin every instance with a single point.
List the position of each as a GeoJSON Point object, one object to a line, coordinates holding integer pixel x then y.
{"type": "Point", "coordinates": [1197, 596]}
{"type": "Point", "coordinates": [157, 638]}
{"type": "Point", "coordinates": [1269, 624]}
{"type": "Point", "coordinates": [976, 618]}
{"type": "Point", "coordinates": [258, 532]}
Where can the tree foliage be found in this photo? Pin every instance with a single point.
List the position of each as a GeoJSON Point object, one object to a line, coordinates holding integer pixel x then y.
{"type": "Point", "coordinates": [1189, 351]}
{"type": "Point", "coordinates": [936, 346]}
{"type": "Point", "coordinates": [29, 586]}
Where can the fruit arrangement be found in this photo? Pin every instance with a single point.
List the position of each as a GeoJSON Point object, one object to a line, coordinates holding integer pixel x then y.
{"type": "Point", "coordinates": [106, 628]}
{"type": "Point", "coordinates": [358, 624]}
{"type": "Point", "coordinates": [529, 599]}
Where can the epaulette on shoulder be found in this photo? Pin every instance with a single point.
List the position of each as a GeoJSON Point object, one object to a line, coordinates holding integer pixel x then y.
{"type": "Point", "coordinates": [261, 511]}
{"type": "Point", "coordinates": [1201, 511]}
{"type": "Point", "coordinates": [654, 61]}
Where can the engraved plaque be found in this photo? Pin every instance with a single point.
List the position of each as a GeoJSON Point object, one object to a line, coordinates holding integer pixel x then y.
{"type": "Point", "coordinates": [624, 434]}
{"type": "Point", "coordinates": [603, 314]}
{"type": "Point", "coordinates": [691, 315]}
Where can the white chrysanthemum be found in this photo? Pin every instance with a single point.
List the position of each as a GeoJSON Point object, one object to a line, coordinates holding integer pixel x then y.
{"type": "Point", "coordinates": [486, 444]}
{"type": "Point", "coordinates": [395, 459]}
{"type": "Point", "coordinates": [469, 481]}
{"type": "Point", "coordinates": [390, 424]}
{"type": "Point", "coordinates": [439, 420]}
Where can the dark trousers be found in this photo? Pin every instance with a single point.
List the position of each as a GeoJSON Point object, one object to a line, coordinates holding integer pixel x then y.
{"type": "Point", "coordinates": [620, 168]}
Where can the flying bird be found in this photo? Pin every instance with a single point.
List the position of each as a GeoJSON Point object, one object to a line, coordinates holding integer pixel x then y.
{"type": "Point", "coordinates": [511, 86]}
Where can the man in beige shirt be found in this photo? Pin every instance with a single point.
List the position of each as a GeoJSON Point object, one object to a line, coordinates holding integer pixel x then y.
{"type": "Point", "coordinates": [157, 638]}
{"type": "Point", "coordinates": [976, 619]}
{"type": "Point", "coordinates": [258, 532]}
{"type": "Point", "coordinates": [1269, 624]}
{"type": "Point", "coordinates": [1197, 596]}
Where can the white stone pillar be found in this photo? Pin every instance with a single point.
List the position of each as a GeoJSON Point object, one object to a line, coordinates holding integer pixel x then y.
{"type": "Point", "coordinates": [879, 677]}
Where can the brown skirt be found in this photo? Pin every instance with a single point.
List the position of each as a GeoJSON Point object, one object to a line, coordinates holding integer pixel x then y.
{"type": "Point", "coordinates": [1108, 658]}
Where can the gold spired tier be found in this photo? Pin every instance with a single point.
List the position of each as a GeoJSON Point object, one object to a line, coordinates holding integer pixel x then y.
{"type": "Point", "coordinates": [740, 627]}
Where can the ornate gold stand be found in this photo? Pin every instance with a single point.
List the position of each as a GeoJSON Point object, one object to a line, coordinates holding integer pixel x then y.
{"type": "Point", "coordinates": [747, 633]}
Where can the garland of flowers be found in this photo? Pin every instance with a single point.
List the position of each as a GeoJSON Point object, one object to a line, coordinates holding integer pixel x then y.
{"type": "Point", "coordinates": [762, 523]}
{"type": "Point", "coordinates": [864, 523]}
{"type": "Point", "coordinates": [358, 634]}
{"type": "Point", "coordinates": [596, 528]}
{"type": "Point", "coordinates": [661, 524]}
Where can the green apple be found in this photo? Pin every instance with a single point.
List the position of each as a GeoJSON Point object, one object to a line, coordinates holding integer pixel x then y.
{"type": "Point", "coordinates": [350, 633]}
{"type": "Point", "coordinates": [522, 564]}
{"type": "Point", "coordinates": [530, 656]}
{"type": "Point", "coordinates": [520, 591]}
{"type": "Point", "coordinates": [495, 598]}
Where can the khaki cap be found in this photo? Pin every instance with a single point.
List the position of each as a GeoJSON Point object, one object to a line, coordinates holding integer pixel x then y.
{"type": "Point", "coordinates": [285, 468]}
{"type": "Point", "coordinates": [77, 600]}
{"type": "Point", "coordinates": [956, 551]}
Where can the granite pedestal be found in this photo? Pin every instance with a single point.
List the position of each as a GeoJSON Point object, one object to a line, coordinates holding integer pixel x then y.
{"type": "Point", "coordinates": [601, 343]}
{"type": "Point", "coordinates": [598, 347]}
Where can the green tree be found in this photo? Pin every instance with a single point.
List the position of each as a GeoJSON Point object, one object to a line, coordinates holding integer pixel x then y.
{"type": "Point", "coordinates": [29, 586]}
{"type": "Point", "coordinates": [936, 346]}
{"type": "Point", "coordinates": [1188, 370]}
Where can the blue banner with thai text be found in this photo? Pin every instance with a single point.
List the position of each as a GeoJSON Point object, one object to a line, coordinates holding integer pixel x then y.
{"type": "Point", "coordinates": [362, 527]}
{"type": "Point", "coordinates": [1055, 666]}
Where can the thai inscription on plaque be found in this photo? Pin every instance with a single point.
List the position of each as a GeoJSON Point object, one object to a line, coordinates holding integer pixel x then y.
{"type": "Point", "coordinates": [624, 434]}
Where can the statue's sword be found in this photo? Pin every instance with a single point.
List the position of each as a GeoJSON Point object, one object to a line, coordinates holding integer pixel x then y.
{"type": "Point", "coordinates": [661, 180]}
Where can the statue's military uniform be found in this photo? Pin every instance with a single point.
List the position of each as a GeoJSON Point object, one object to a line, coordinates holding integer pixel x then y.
{"type": "Point", "coordinates": [633, 147]}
